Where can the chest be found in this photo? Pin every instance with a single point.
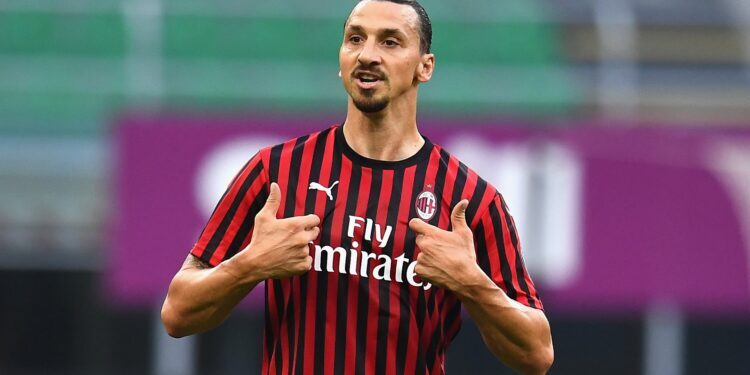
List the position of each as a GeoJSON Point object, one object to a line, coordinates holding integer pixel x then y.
{"type": "Point", "coordinates": [365, 226]}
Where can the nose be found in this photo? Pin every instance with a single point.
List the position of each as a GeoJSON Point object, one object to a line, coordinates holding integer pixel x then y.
{"type": "Point", "coordinates": [369, 54]}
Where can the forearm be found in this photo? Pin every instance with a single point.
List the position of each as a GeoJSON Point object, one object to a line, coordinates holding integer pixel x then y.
{"type": "Point", "coordinates": [201, 298]}
{"type": "Point", "coordinates": [518, 335]}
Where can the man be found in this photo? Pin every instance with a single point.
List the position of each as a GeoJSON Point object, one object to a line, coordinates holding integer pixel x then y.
{"type": "Point", "coordinates": [369, 237]}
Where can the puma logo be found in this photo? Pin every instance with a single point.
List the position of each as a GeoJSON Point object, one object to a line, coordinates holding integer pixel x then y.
{"type": "Point", "coordinates": [319, 187]}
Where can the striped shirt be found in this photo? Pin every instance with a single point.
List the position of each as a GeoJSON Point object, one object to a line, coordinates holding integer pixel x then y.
{"type": "Point", "coordinates": [362, 309]}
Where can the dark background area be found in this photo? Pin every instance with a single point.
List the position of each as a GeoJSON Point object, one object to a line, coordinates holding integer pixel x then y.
{"type": "Point", "coordinates": [56, 323]}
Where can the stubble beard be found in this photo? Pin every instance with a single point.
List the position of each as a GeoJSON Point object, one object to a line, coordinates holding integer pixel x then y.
{"type": "Point", "coordinates": [370, 104]}
{"type": "Point", "coordinates": [366, 100]}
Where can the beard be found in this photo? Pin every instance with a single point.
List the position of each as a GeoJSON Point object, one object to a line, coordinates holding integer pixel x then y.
{"type": "Point", "coordinates": [367, 101]}
{"type": "Point", "coordinates": [370, 104]}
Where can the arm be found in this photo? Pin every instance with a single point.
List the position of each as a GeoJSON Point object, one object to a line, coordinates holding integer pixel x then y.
{"type": "Point", "coordinates": [518, 335]}
{"type": "Point", "coordinates": [200, 297]}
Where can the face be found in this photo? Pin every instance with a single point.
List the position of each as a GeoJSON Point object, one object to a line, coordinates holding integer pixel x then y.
{"type": "Point", "coordinates": [380, 58]}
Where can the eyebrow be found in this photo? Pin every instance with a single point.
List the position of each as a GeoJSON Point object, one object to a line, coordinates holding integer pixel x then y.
{"type": "Point", "coordinates": [382, 32]}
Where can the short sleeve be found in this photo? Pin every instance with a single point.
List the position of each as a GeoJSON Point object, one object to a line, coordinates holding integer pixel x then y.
{"type": "Point", "coordinates": [230, 226]}
{"type": "Point", "coordinates": [499, 253]}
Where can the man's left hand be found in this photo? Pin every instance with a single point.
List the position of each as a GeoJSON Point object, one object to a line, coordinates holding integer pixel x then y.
{"type": "Point", "coordinates": [447, 258]}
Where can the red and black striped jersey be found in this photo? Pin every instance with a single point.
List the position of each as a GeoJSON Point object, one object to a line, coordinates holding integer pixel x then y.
{"type": "Point", "coordinates": [362, 309]}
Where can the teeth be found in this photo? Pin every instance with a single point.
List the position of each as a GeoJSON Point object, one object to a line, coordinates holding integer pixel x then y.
{"type": "Point", "coordinates": [368, 77]}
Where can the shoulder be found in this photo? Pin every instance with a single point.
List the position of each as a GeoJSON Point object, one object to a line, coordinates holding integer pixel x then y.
{"type": "Point", "coordinates": [274, 153]}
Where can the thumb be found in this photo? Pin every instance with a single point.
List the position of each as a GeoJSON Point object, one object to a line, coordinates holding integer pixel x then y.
{"type": "Point", "coordinates": [273, 201]}
{"type": "Point", "coordinates": [458, 216]}
{"type": "Point", "coordinates": [419, 226]}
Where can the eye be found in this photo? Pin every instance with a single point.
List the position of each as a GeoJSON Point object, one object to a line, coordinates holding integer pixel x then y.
{"type": "Point", "coordinates": [391, 43]}
{"type": "Point", "coordinates": [356, 39]}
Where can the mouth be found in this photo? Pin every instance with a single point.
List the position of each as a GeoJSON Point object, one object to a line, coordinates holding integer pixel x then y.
{"type": "Point", "coordinates": [367, 80]}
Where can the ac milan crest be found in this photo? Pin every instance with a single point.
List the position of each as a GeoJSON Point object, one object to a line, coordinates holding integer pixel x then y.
{"type": "Point", "coordinates": [426, 204]}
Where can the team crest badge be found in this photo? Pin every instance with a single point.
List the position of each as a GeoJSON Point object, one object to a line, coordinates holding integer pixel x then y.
{"type": "Point", "coordinates": [426, 204]}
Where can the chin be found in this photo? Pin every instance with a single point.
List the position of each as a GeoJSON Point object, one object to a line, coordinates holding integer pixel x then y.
{"type": "Point", "coordinates": [371, 106]}
{"type": "Point", "coordinates": [367, 102]}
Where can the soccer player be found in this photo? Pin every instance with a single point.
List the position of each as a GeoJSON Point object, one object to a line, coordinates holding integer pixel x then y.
{"type": "Point", "coordinates": [368, 236]}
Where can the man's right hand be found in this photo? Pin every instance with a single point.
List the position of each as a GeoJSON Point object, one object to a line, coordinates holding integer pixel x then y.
{"type": "Point", "coordinates": [279, 248]}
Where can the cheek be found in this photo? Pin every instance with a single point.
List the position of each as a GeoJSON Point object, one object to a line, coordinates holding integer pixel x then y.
{"type": "Point", "coordinates": [407, 73]}
{"type": "Point", "coordinates": [345, 59]}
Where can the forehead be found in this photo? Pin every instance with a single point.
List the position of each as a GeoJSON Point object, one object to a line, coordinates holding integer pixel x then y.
{"type": "Point", "coordinates": [384, 15]}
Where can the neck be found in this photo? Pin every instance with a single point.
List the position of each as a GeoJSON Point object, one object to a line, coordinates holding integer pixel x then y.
{"type": "Point", "coordinates": [389, 135]}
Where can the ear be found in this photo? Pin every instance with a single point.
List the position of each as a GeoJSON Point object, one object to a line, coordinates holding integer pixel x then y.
{"type": "Point", "coordinates": [426, 67]}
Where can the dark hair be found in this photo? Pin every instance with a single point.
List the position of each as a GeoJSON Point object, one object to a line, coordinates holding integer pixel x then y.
{"type": "Point", "coordinates": [425, 25]}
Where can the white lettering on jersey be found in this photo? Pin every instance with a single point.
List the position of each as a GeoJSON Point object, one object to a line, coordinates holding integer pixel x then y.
{"type": "Point", "coordinates": [358, 262]}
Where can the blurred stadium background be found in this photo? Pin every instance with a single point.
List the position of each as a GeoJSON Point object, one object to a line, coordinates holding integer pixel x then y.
{"type": "Point", "coordinates": [591, 86]}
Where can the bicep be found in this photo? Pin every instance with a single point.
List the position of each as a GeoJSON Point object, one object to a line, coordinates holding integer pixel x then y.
{"type": "Point", "coordinates": [193, 262]}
